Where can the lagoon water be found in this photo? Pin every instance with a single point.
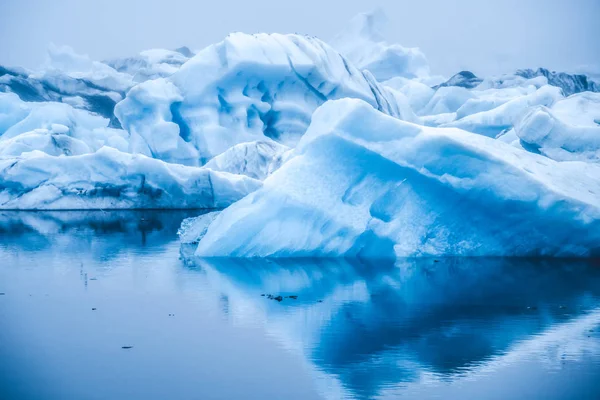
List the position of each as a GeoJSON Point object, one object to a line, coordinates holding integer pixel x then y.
{"type": "Point", "coordinates": [109, 305]}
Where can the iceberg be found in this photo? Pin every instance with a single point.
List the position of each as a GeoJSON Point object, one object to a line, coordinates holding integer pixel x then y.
{"type": "Point", "coordinates": [363, 43]}
{"type": "Point", "coordinates": [110, 179]}
{"type": "Point", "coordinates": [243, 89]}
{"type": "Point", "coordinates": [569, 83]}
{"type": "Point", "coordinates": [366, 185]}
{"type": "Point", "coordinates": [54, 128]}
{"type": "Point", "coordinates": [567, 131]}
{"type": "Point", "coordinates": [69, 78]}
{"type": "Point", "coordinates": [502, 118]}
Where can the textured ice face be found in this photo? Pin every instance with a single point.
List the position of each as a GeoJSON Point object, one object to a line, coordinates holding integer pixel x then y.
{"type": "Point", "coordinates": [243, 89]}
{"type": "Point", "coordinates": [362, 184]}
{"type": "Point", "coordinates": [54, 128]}
{"type": "Point", "coordinates": [255, 159]}
{"type": "Point", "coordinates": [567, 131]}
{"type": "Point", "coordinates": [109, 179]}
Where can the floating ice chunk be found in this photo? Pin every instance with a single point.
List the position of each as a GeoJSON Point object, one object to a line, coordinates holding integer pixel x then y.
{"type": "Point", "coordinates": [193, 229]}
{"type": "Point", "coordinates": [109, 179]}
{"type": "Point", "coordinates": [254, 159]}
{"type": "Point", "coordinates": [362, 184]}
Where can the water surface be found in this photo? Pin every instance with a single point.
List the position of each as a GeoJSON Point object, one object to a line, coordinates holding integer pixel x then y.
{"type": "Point", "coordinates": [79, 286]}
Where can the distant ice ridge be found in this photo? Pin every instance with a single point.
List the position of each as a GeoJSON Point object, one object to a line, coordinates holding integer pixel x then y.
{"type": "Point", "coordinates": [72, 79]}
{"type": "Point", "coordinates": [54, 128]}
{"type": "Point", "coordinates": [109, 179]}
{"type": "Point", "coordinates": [363, 43]}
{"type": "Point", "coordinates": [569, 83]}
{"type": "Point", "coordinates": [508, 111]}
{"type": "Point", "coordinates": [152, 64]}
{"type": "Point", "coordinates": [243, 89]}
{"type": "Point", "coordinates": [363, 184]}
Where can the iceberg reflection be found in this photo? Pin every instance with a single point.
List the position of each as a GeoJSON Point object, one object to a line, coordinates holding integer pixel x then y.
{"type": "Point", "coordinates": [369, 329]}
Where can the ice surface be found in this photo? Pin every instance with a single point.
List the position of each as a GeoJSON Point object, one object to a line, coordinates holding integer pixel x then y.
{"type": "Point", "coordinates": [64, 61]}
{"type": "Point", "coordinates": [193, 229]}
{"type": "Point", "coordinates": [243, 89]}
{"type": "Point", "coordinates": [52, 127]}
{"type": "Point", "coordinates": [502, 118]}
{"type": "Point", "coordinates": [363, 184]}
{"type": "Point", "coordinates": [255, 159]}
{"type": "Point", "coordinates": [109, 179]}
{"type": "Point", "coordinates": [447, 100]}
{"type": "Point", "coordinates": [69, 78]}
{"type": "Point", "coordinates": [565, 132]}
{"type": "Point", "coordinates": [362, 42]}
{"type": "Point", "coordinates": [417, 93]}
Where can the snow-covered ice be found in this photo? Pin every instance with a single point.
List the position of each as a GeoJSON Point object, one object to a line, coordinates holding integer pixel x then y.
{"type": "Point", "coordinates": [243, 89]}
{"type": "Point", "coordinates": [363, 184]}
{"type": "Point", "coordinates": [566, 131]}
{"type": "Point", "coordinates": [54, 128]}
{"type": "Point", "coordinates": [110, 179]}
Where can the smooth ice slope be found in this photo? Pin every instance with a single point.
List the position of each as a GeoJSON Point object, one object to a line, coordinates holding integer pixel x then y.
{"type": "Point", "coordinates": [243, 89]}
{"type": "Point", "coordinates": [362, 42]}
{"type": "Point", "coordinates": [363, 184]}
{"type": "Point", "coordinates": [109, 179]}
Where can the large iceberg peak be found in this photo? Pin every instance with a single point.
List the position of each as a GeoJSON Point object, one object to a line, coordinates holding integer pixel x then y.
{"type": "Point", "coordinates": [363, 184]}
{"type": "Point", "coordinates": [243, 89]}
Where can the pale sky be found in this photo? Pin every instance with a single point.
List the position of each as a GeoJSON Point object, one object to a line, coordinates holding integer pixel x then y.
{"type": "Point", "coordinates": [484, 36]}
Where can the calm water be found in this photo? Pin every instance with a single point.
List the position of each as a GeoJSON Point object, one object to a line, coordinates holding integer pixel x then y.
{"type": "Point", "coordinates": [77, 287]}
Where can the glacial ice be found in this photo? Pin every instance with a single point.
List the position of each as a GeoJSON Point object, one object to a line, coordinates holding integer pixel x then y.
{"type": "Point", "coordinates": [502, 118]}
{"type": "Point", "coordinates": [54, 128]}
{"type": "Point", "coordinates": [567, 131]}
{"type": "Point", "coordinates": [255, 159]}
{"type": "Point", "coordinates": [72, 79]}
{"type": "Point", "coordinates": [363, 184]}
{"type": "Point", "coordinates": [243, 89]}
{"type": "Point", "coordinates": [363, 44]}
{"type": "Point", "coordinates": [205, 129]}
{"type": "Point", "coordinates": [194, 228]}
{"type": "Point", "coordinates": [110, 179]}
